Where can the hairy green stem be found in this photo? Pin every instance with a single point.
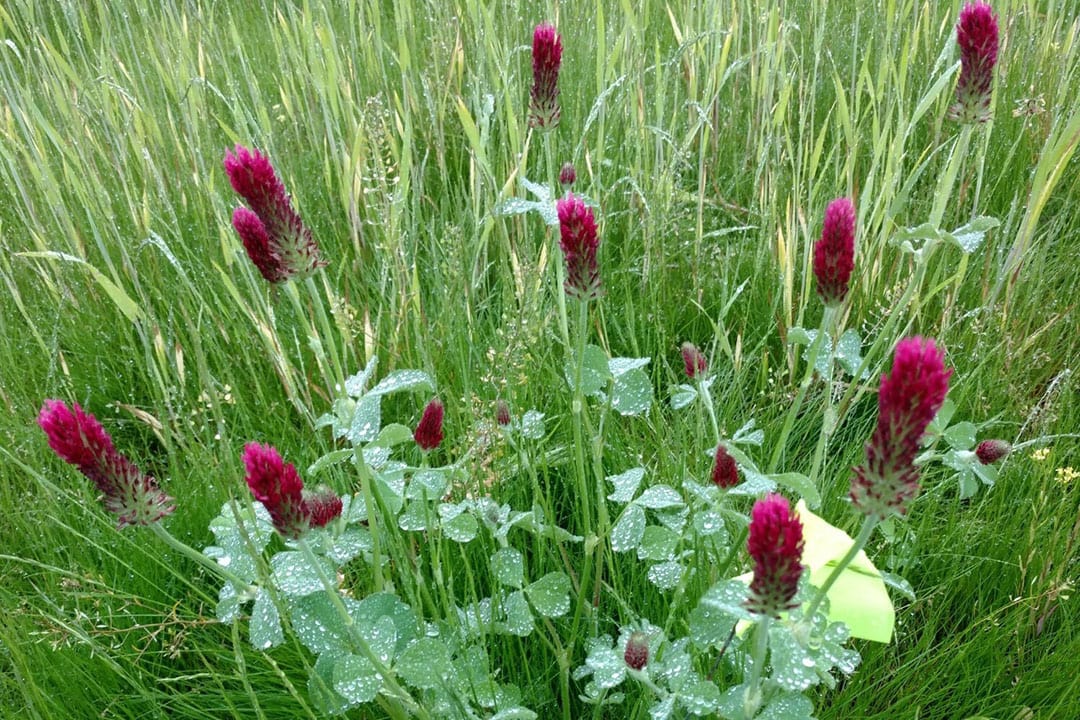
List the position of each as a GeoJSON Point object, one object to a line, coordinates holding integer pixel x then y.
{"type": "Point", "coordinates": [860, 542]}
{"type": "Point", "coordinates": [752, 699]}
{"type": "Point", "coordinates": [187, 551]}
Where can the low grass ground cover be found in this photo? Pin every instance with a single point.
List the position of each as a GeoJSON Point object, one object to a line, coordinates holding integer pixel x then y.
{"type": "Point", "coordinates": [708, 139]}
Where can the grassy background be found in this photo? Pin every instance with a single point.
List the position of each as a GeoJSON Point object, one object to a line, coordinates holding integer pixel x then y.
{"type": "Point", "coordinates": [712, 135]}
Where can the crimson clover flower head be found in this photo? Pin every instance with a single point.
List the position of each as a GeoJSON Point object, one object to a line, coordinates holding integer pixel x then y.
{"type": "Point", "coordinates": [80, 440]}
{"type": "Point", "coordinates": [908, 400]}
{"type": "Point", "coordinates": [274, 236]}
{"type": "Point", "coordinates": [834, 253]}
{"type": "Point", "coordinates": [544, 108]}
{"type": "Point", "coordinates": [977, 36]}
{"type": "Point", "coordinates": [567, 176]}
{"type": "Point", "coordinates": [429, 432]}
{"type": "Point", "coordinates": [636, 655]}
{"type": "Point", "coordinates": [693, 361]}
{"type": "Point", "coordinates": [276, 484]}
{"type": "Point", "coordinates": [725, 473]}
{"type": "Point", "coordinates": [502, 413]}
{"type": "Point", "coordinates": [775, 544]}
{"type": "Point", "coordinates": [990, 451]}
{"type": "Point", "coordinates": [579, 243]}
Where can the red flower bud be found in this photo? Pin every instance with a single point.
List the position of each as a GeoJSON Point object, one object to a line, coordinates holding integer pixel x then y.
{"type": "Point", "coordinates": [278, 486]}
{"type": "Point", "coordinates": [429, 433]}
{"type": "Point", "coordinates": [579, 243]}
{"type": "Point", "coordinates": [725, 473]}
{"type": "Point", "coordinates": [990, 451]}
{"type": "Point", "coordinates": [502, 413]}
{"type": "Point", "coordinates": [544, 108]}
{"type": "Point", "coordinates": [693, 361]}
{"type": "Point", "coordinates": [834, 253]}
{"type": "Point", "coordinates": [636, 655]}
{"type": "Point", "coordinates": [567, 176]}
{"type": "Point", "coordinates": [977, 36]}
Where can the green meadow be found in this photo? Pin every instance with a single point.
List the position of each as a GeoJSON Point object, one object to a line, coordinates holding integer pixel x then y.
{"type": "Point", "coordinates": [710, 136]}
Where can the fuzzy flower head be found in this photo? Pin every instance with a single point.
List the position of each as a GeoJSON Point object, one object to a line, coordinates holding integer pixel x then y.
{"type": "Point", "coordinates": [275, 238]}
{"type": "Point", "coordinates": [544, 97]}
{"type": "Point", "coordinates": [502, 413]}
{"type": "Point", "coordinates": [80, 440]}
{"type": "Point", "coordinates": [278, 486]}
{"type": "Point", "coordinates": [429, 433]}
{"type": "Point", "coordinates": [567, 176]}
{"type": "Point", "coordinates": [834, 253]}
{"type": "Point", "coordinates": [725, 473]}
{"type": "Point", "coordinates": [693, 361]}
{"type": "Point", "coordinates": [776, 545]}
{"type": "Point", "coordinates": [990, 451]}
{"type": "Point", "coordinates": [908, 400]}
{"type": "Point", "coordinates": [977, 36]}
{"type": "Point", "coordinates": [579, 243]}
{"type": "Point", "coordinates": [636, 655]}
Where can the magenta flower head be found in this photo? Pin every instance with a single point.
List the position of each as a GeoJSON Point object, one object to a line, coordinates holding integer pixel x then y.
{"type": "Point", "coordinates": [544, 97]}
{"type": "Point", "coordinates": [990, 451]}
{"type": "Point", "coordinates": [80, 440]}
{"type": "Point", "coordinates": [908, 400]}
{"type": "Point", "coordinates": [567, 176]}
{"type": "Point", "coordinates": [725, 473]}
{"type": "Point", "coordinates": [429, 433]}
{"type": "Point", "coordinates": [278, 486]}
{"type": "Point", "coordinates": [579, 243]}
{"type": "Point", "coordinates": [636, 655]}
{"type": "Point", "coordinates": [977, 36]}
{"type": "Point", "coordinates": [275, 238]}
{"type": "Point", "coordinates": [693, 361]}
{"type": "Point", "coordinates": [834, 253]}
{"type": "Point", "coordinates": [776, 545]}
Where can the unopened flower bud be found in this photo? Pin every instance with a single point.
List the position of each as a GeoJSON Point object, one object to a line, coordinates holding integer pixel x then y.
{"type": "Point", "coordinates": [567, 176]}
{"type": "Point", "coordinates": [725, 473]}
{"type": "Point", "coordinates": [429, 432]}
{"type": "Point", "coordinates": [636, 655]}
{"type": "Point", "coordinates": [502, 413]}
{"type": "Point", "coordinates": [693, 361]}
{"type": "Point", "coordinates": [990, 451]}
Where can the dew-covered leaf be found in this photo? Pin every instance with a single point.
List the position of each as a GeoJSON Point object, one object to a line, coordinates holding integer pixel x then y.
{"type": "Point", "coordinates": [403, 380]}
{"type": "Point", "coordinates": [800, 484]}
{"type": "Point", "coordinates": [629, 529]}
{"type": "Point", "coordinates": [424, 663]}
{"type": "Point", "coordinates": [961, 436]}
{"type": "Point", "coordinates": [660, 496]}
{"type": "Point", "coordinates": [748, 435]}
{"type": "Point", "coordinates": [318, 625]}
{"type": "Point", "coordinates": [264, 628]}
{"type": "Point", "coordinates": [550, 595]}
{"type": "Point", "coordinates": [393, 434]}
{"type": "Point", "coordinates": [849, 353]}
{"type": "Point", "coordinates": [608, 668]}
{"type": "Point", "coordinates": [632, 393]}
{"type": "Point", "coordinates": [532, 425]}
{"type": "Point", "coordinates": [294, 574]}
{"type": "Point", "coordinates": [682, 395]}
{"type": "Point", "coordinates": [594, 371]}
{"type": "Point", "coordinates": [356, 679]}
{"type": "Point", "coordinates": [519, 618]}
{"type": "Point", "coordinates": [699, 697]}
{"type": "Point", "coordinates": [658, 543]}
{"type": "Point", "coordinates": [666, 575]}
{"type": "Point", "coordinates": [899, 584]}
{"type": "Point", "coordinates": [507, 565]}
{"type": "Point", "coordinates": [366, 420]}
{"type": "Point", "coordinates": [355, 385]}
{"type": "Point", "coordinates": [426, 484]}
{"type": "Point", "coordinates": [626, 484]}
{"type": "Point", "coordinates": [328, 460]}
{"type": "Point", "coordinates": [621, 365]}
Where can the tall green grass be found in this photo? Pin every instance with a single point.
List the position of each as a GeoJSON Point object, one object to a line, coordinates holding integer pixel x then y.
{"type": "Point", "coordinates": [712, 135]}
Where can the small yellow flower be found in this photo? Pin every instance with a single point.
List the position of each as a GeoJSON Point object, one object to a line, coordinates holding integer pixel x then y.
{"type": "Point", "coordinates": [1040, 454]}
{"type": "Point", "coordinates": [1066, 475]}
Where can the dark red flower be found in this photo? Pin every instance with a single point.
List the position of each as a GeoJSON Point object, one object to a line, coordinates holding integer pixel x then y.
{"type": "Point", "coordinates": [776, 545]}
{"type": "Point", "coordinates": [636, 655]}
{"type": "Point", "coordinates": [275, 238]}
{"type": "Point", "coordinates": [725, 473]}
{"type": "Point", "coordinates": [990, 451]}
{"type": "Point", "coordinates": [579, 243]}
{"type": "Point", "coordinates": [278, 486]}
{"type": "Point", "coordinates": [908, 400]}
{"type": "Point", "coordinates": [502, 413]}
{"type": "Point", "coordinates": [834, 253]}
{"type": "Point", "coordinates": [977, 36]}
{"type": "Point", "coordinates": [80, 440]}
{"type": "Point", "coordinates": [693, 361]}
{"type": "Point", "coordinates": [429, 433]}
{"type": "Point", "coordinates": [567, 176]}
{"type": "Point", "coordinates": [544, 97]}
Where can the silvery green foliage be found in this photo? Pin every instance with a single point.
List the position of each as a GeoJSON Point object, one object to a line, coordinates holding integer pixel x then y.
{"type": "Point", "coordinates": [669, 669]}
{"type": "Point", "coordinates": [803, 652]}
{"type": "Point", "coordinates": [622, 382]}
{"type": "Point", "coordinates": [847, 353]}
{"type": "Point", "coordinates": [968, 237]}
{"type": "Point", "coordinates": [959, 454]}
